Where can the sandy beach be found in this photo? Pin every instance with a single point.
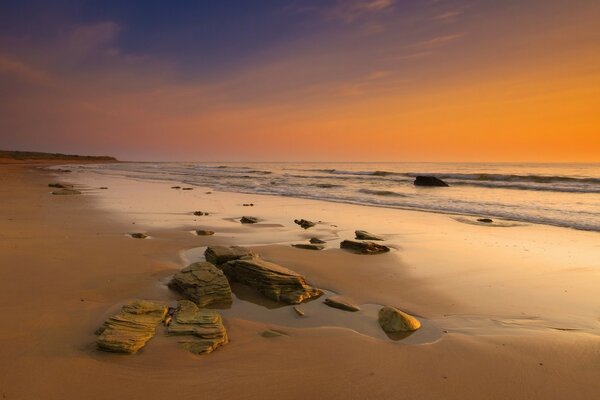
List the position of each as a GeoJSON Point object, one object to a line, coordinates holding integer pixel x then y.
{"type": "Point", "coordinates": [507, 311]}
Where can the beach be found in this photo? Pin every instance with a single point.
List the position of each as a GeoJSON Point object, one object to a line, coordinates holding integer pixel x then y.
{"type": "Point", "coordinates": [508, 310]}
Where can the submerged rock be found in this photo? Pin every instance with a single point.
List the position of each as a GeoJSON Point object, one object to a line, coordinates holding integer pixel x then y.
{"type": "Point", "coordinates": [364, 235]}
{"type": "Point", "coordinates": [187, 188]}
{"type": "Point", "coordinates": [204, 326]}
{"type": "Point", "coordinates": [248, 220]}
{"type": "Point", "coordinates": [221, 254]}
{"type": "Point", "coordinates": [103, 187]}
{"type": "Point", "coordinates": [304, 223]}
{"type": "Point", "coordinates": [66, 191]}
{"type": "Point", "coordinates": [315, 240]}
{"type": "Point", "coordinates": [341, 303]}
{"type": "Point", "coordinates": [175, 187]}
{"type": "Point", "coordinates": [132, 328]}
{"type": "Point", "coordinates": [393, 320]}
{"type": "Point", "coordinates": [307, 246]}
{"type": "Point", "coordinates": [138, 235]}
{"type": "Point", "coordinates": [202, 283]}
{"type": "Point", "coordinates": [485, 220]}
{"type": "Point", "coordinates": [273, 281]}
{"type": "Point", "coordinates": [429, 181]}
{"type": "Point", "coordinates": [60, 185]}
{"type": "Point", "coordinates": [202, 232]}
{"type": "Point", "coordinates": [364, 247]}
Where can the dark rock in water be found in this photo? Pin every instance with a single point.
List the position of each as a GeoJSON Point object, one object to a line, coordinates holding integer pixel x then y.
{"type": "Point", "coordinates": [103, 187]}
{"type": "Point", "coordinates": [208, 192]}
{"type": "Point", "coordinates": [199, 213]}
{"type": "Point", "coordinates": [62, 170]}
{"type": "Point", "coordinates": [315, 240]}
{"type": "Point", "coordinates": [132, 328]}
{"type": "Point", "coordinates": [202, 283]}
{"type": "Point", "coordinates": [272, 280]}
{"type": "Point", "coordinates": [138, 235]}
{"type": "Point", "coordinates": [364, 247]}
{"type": "Point", "coordinates": [204, 328]}
{"type": "Point", "coordinates": [60, 185]}
{"type": "Point", "coordinates": [341, 303]}
{"type": "Point", "coordinates": [364, 235]}
{"type": "Point", "coordinates": [175, 187]}
{"type": "Point", "coordinates": [248, 204]}
{"type": "Point", "coordinates": [221, 254]}
{"type": "Point", "coordinates": [429, 181]}
{"type": "Point", "coordinates": [187, 188]}
{"type": "Point", "coordinates": [486, 220]}
{"type": "Point", "coordinates": [309, 246]}
{"type": "Point", "coordinates": [393, 320]}
{"type": "Point", "coordinates": [65, 192]}
{"type": "Point", "coordinates": [248, 220]}
{"type": "Point", "coordinates": [202, 232]}
{"type": "Point", "coordinates": [304, 223]}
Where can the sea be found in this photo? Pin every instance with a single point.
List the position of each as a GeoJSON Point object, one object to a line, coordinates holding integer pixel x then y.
{"type": "Point", "coordinates": [566, 195]}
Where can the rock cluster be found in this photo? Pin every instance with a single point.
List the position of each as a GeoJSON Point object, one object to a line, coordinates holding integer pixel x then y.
{"type": "Point", "coordinates": [304, 223]}
{"type": "Point", "coordinates": [218, 255]}
{"type": "Point", "coordinates": [364, 235]}
{"type": "Point", "coordinates": [429, 181]}
{"type": "Point", "coordinates": [393, 320]}
{"type": "Point", "coordinates": [132, 328]}
{"type": "Point", "coordinates": [202, 283]}
{"type": "Point", "coordinates": [364, 247]}
{"type": "Point", "coordinates": [273, 281]}
{"type": "Point", "coordinates": [203, 329]}
{"type": "Point", "coordinates": [200, 213]}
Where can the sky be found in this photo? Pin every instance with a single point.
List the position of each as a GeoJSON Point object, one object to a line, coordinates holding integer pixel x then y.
{"type": "Point", "coordinates": [303, 80]}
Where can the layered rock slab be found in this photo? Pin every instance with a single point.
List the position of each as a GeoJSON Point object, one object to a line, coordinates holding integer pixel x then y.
{"type": "Point", "coordinates": [130, 330]}
{"type": "Point", "coordinates": [202, 283]}
{"type": "Point", "coordinates": [273, 281]}
{"type": "Point", "coordinates": [364, 247]}
{"type": "Point", "coordinates": [203, 330]}
{"type": "Point", "coordinates": [218, 255]}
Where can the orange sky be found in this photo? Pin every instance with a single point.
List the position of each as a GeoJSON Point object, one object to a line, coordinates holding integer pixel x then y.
{"type": "Point", "coordinates": [450, 81]}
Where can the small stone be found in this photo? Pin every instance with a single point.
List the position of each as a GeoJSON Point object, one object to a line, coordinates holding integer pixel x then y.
{"type": "Point", "coordinates": [364, 235]}
{"type": "Point", "coordinates": [341, 303]}
{"type": "Point", "coordinates": [60, 185]}
{"type": "Point", "coordinates": [272, 333]}
{"type": "Point", "coordinates": [103, 187]}
{"type": "Point", "coordinates": [138, 235]}
{"type": "Point", "coordinates": [364, 247]}
{"type": "Point", "coordinates": [393, 320]}
{"type": "Point", "coordinates": [248, 220]}
{"type": "Point", "coordinates": [485, 220]}
{"type": "Point", "coordinates": [175, 187]}
{"type": "Point", "coordinates": [298, 311]}
{"type": "Point", "coordinates": [304, 223]}
{"type": "Point", "coordinates": [309, 246]}
{"type": "Point", "coordinates": [187, 188]}
{"type": "Point", "coordinates": [202, 232]}
{"type": "Point", "coordinates": [315, 240]}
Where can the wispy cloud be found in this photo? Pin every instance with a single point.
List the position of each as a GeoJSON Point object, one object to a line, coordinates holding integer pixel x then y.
{"type": "Point", "coordinates": [448, 16]}
{"type": "Point", "coordinates": [22, 71]}
{"type": "Point", "coordinates": [440, 40]}
{"type": "Point", "coordinates": [351, 10]}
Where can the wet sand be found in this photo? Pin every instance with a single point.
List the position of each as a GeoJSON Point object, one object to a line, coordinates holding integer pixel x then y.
{"type": "Point", "coordinates": [506, 311]}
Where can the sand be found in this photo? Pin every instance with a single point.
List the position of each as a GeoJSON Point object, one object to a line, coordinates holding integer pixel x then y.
{"type": "Point", "coordinates": [507, 312]}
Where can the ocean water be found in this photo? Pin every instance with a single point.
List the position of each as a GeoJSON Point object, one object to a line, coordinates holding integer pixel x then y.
{"type": "Point", "coordinates": [565, 195]}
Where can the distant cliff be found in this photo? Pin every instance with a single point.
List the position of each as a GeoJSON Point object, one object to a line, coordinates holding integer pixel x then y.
{"type": "Point", "coordinates": [34, 155]}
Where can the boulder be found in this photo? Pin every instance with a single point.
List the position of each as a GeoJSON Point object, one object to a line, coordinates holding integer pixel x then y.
{"type": "Point", "coordinates": [202, 283]}
{"type": "Point", "coordinates": [308, 246]}
{"type": "Point", "coordinates": [202, 232]}
{"type": "Point", "coordinates": [393, 320]}
{"type": "Point", "coordinates": [485, 220]}
{"type": "Point", "coordinates": [273, 281]}
{"type": "Point", "coordinates": [364, 247]}
{"type": "Point", "coordinates": [221, 254]}
{"type": "Point", "coordinates": [341, 303]}
{"type": "Point", "coordinates": [364, 235]}
{"type": "Point", "coordinates": [204, 328]}
{"type": "Point", "coordinates": [138, 235]}
{"type": "Point", "coordinates": [66, 191]}
{"type": "Point", "coordinates": [132, 328]}
{"type": "Point", "coordinates": [304, 223]}
{"type": "Point", "coordinates": [248, 220]}
{"type": "Point", "coordinates": [429, 181]}
{"type": "Point", "coordinates": [315, 240]}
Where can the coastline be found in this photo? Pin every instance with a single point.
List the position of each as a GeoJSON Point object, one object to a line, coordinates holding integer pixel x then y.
{"type": "Point", "coordinates": [69, 263]}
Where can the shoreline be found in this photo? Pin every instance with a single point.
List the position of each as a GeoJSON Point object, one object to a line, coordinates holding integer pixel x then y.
{"type": "Point", "coordinates": [81, 243]}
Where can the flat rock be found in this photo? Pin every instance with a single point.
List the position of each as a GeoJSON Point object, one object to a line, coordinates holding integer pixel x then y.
{"type": "Point", "coordinates": [364, 247]}
{"type": "Point", "coordinates": [66, 191]}
{"type": "Point", "coordinates": [138, 235]}
{"type": "Point", "coordinates": [248, 220]}
{"type": "Point", "coordinates": [272, 333]}
{"type": "Point", "coordinates": [304, 223]}
{"type": "Point", "coordinates": [315, 240]}
{"type": "Point", "coordinates": [202, 232]}
{"type": "Point", "coordinates": [393, 320]}
{"type": "Point", "coordinates": [273, 281]}
{"type": "Point", "coordinates": [60, 185]}
{"type": "Point", "coordinates": [202, 283]}
{"type": "Point", "coordinates": [204, 328]}
{"type": "Point", "coordinates": [308, 246]}
{"type": "Point", "coordinates": [485, 220]}
{"type": "Point", "coordinates": [341, 303]}
{"type": "Point", "coordinates": [364, 235]}
{"type": "Point", "coordinates": [429, 181]}
{"type": "Point", "coordinates": [221, 254]}
{"type": "Point", "coordinates": [132, 328]}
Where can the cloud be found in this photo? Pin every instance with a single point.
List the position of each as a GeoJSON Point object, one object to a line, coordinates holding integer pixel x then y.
{"type": "Point", "coordinates": [440, 40]}
{"type": "Point", "coordinates": [448, 16]}
{"type": "Point", "coordinates": [91, 37]}
{"type": "Point", "coordinates": [351, 10]}
{"type": "Point", "coordinates": [23, 71]}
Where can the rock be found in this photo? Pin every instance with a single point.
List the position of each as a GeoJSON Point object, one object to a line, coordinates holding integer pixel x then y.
{"type": "Point", "coordinates": [221, 254]}
{"type": "Point", "coordinates": [202, 232]}
{"type": "Point", "coordinates": [364, 235]}
{"type": "Point", "coordinates": [304, 223]}
{"type": "Point", "coordinates": [202, 283]}
{"type": "Point", "coordinates": [60, 185]}
{"type": "Point", "coordinates": [315, 240]}
{"type": "Point", "coordinates": [66, 192]}
{"type": "Point", "coordinates": [272, 280]}
{"type": "Point", "coordinates": [341, 303]}
{"type": "Point", "coordinates": [248, 205]}
{"type": "Point", "coordinates": [248, 220]}
{"type": "Point", "coordinates": [272, 333]}
{"type": "Point", "coordinates": [309, 246]}
{"type": "Point", "coordinates": [486, 220]}
{"type": "Point", "coordinates": [393, 320]}
{"type": "Point", "coordinates": [175, 187]}
{"type": "Point", "coordinates": [103, 187]}
{"type": "Point", "coordinates": [138, 235]}
{"type": "Point", "coordinates": [364, 247]}
{"type": "Point", "coordinates": [187, 188]}
{"type": "Point", "coordinates": [429, 181]}
{"type": "Point", "coordinates": [205, 326]}
{"type": "Point", "coordinates": [199, 213]}
{"type": "Point", "coordinates": [298, 311]}
{"type": "Point", "coordinates": [132, 328]}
